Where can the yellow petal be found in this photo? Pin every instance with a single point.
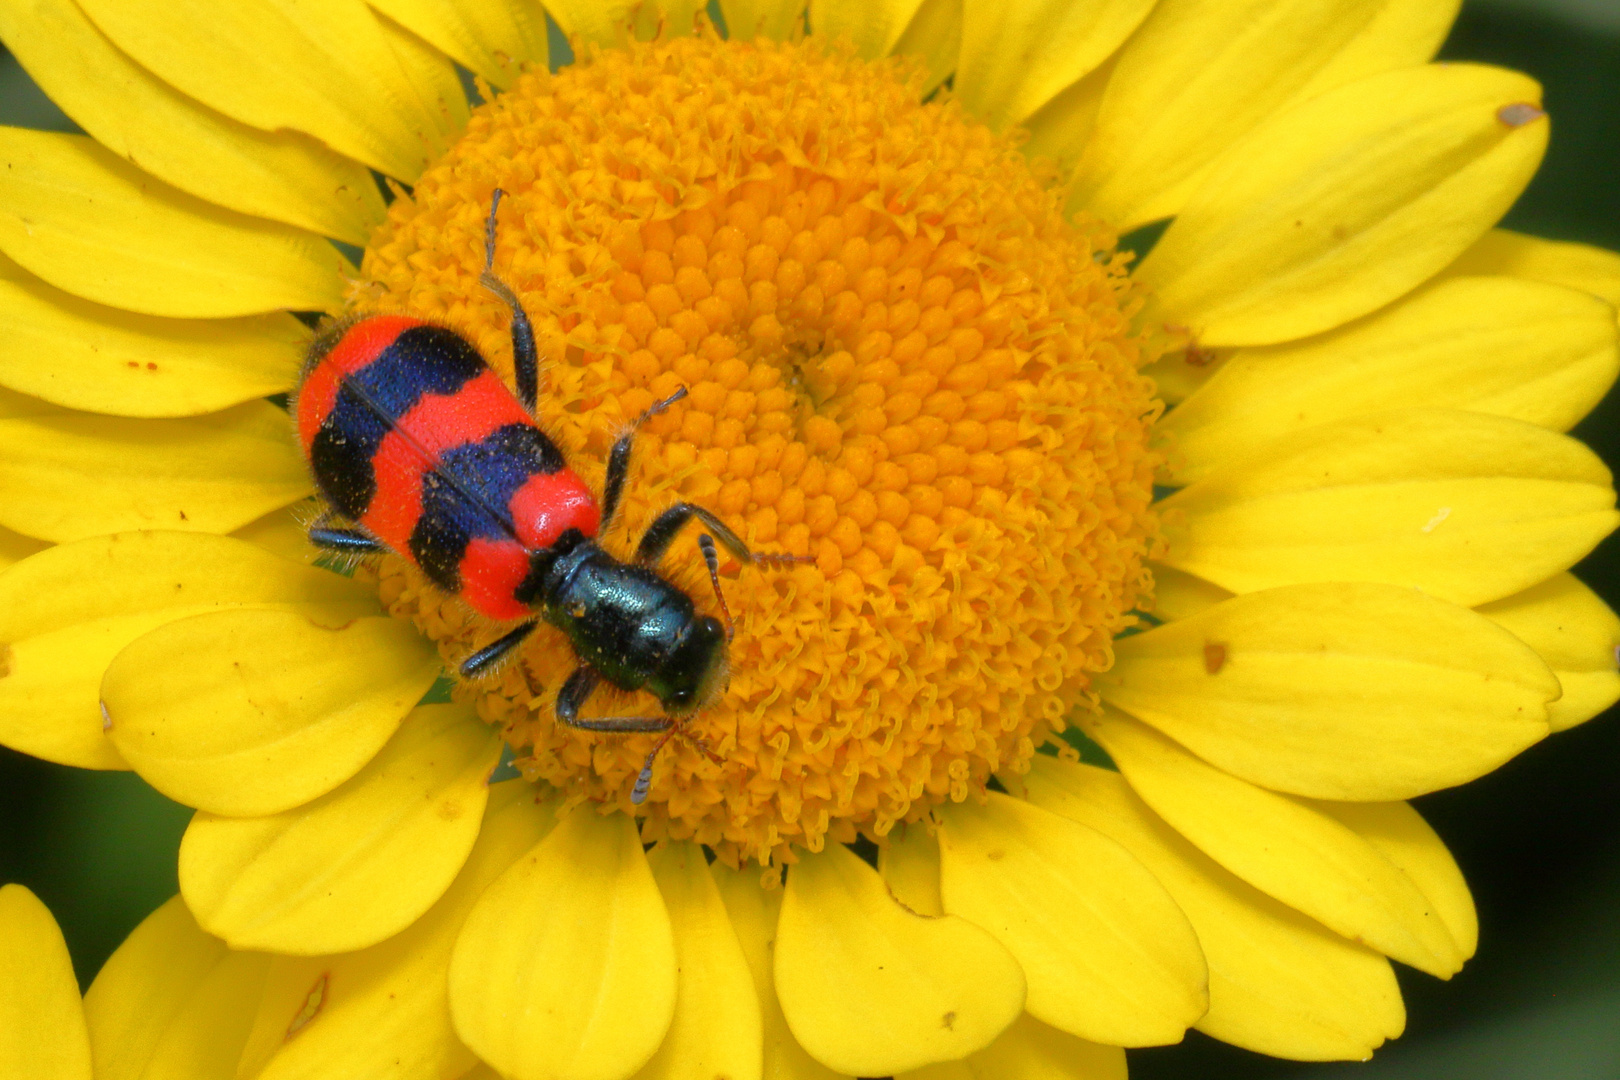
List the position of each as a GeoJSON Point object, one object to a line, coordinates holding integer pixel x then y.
{"type": "Point", "coordinates": [1063, 128]}
{"type": "Point", "coordinates": [1199, 76]}
{"type": "Point", "coordinates": [248, 712]}
{"type": "Point", "coordinates": [1279, 983]}
{"type": "Point", "coordinates": [493, 40]}
{"type": "Point", "coordinates": [934, 37]}
{"type": "Point", "coordinates": [1287, 849]}
{"type": "Point", "coordinates": [1539, 353]}
{"type": "Point", "coordinates": [14, 406]}
{"type": "Point", "coordinates": [42, 1033]}
{"type": "Point", "coordinates": [613, 23]}
{"type": "Point", "coordinates": [1340, 691]}
{"type": "Point", "coordinates": [716, 1028]}
{"type": "Point", "coordinates": [1398, 832]}
{"type": "Point", "coordinates": [324, 69]}
{"type": "Point", "coordinates": [86, 356]}
{"type": "Point", "coordinates": [1401, 34]}
{"type": "Point", "coordinates": [283, 175]}
{"type": "Point", "coordinates": [1334, 208]}
{"type": "Point", "coordinates": [1464, 506]}
{"type": "Point", "coordinates": [909, 863]}
{"type": "Point", "coordinates": [15, 547]}
{"type": "Point", "coordinates": [92, 224]}
{"type": "Point", "coordinates": [565, 970]}
{"type": "Point", "coordinates": [360, 863]}
{"type": "Point", "coordinates": [69, 475]}
{"type": "Point", "coordinates": [851, 961]}
{"type": "Point", "coordinates": [283, 533]}
{"type": "Point", "coordinates": [1017, 56]}
{"type": "Point", "coordinates": [774, 19]}
{"type": "Point", "coordinates": [433, 78]}
{"type": "Point", "coordinates": [1576, 266]}
{"type": "Point", "coordinates": [67, 611]}
{"type": "Point", "coordinates": [1031, 1050]}
{"type": "Point", "coordinates": [1108, 955]}
{"type": "Point", "coordinates": [172, 1002]}
{"type": "Point", "coordinates": [1573, 630]}
{"type": "Point", "coordinates": [874, 26]}
{"type": "Point", "coordinates": [754, 915]}
{"type": "Point", "coordinates": [383, 1012]}
{"type": "Point", "coordinates": [1178, 594]}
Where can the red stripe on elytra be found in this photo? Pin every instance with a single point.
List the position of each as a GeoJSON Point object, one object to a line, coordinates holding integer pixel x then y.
{"type": "Point", "coordinates": [491, 571]}
{"type": "Point", "coordinates": [360, 344]}
{"type": "Point", "coordinates": [436, 423]}
{"type": "Point", "coordinates": [549, 504]}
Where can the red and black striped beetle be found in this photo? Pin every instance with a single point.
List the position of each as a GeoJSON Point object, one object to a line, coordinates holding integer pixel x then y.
{"type": "Point", "coordinates": [419, 448]}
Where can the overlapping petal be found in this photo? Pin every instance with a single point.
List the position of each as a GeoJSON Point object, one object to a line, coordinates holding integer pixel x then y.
{"type": "Point", "coordinates": [1294, 852]}
{"type": "Point", "coordinates": [716, 1027]}
{"type": "Point", "coordinates": [1334, 208]}
{"type": "Point", "coordinates": [1108, 955]}
{"type": "Point", "coordinates": [1279, 983]}
{"type": "Point", "coordinates": [254, 711]}
{"type": "Point", "coordinates": [324, 69]}
{"type": "Point", "coordinates": [172, 1001]}
{"type": "Point", "coordinates": [618, 21]}
{"type": "Point", "coordinates": [360, 863]}
{"type": "Point", "coordinates": [81, 355]}
{"type": "Point", "coordinates": [1574, 631]}
{"type": "Point", "coordinates": [69, 475]}
{"type": "Point", "coordinates": [1339, 691]}
{"type": "Point", "coordinates": [92, 224]}
{"type": "Point", "coordinates": [1464, 506]}
{"type": "Point", "coordinates": [281, 175]}
{"type": "Point", "coordinates": [1019, 54]}
{"type": "Point", "coordinates": [1576, 266]}
{"type": "Point", "coordinates": [384, 1012]}
{"type": "Point", "coordinates": [493, 40]}
{"type": "Point", "coordinates": [849, 959]}
{"type": "Point", "coordinates": [749, 19]}
{"type": "Point", "coordinates": [1544, 354]}
{"type": "Point", "coordinates": [1031, 1050]}
{"type": "Point", "coordinates": [66, 612]}
{"type": "Point", "coordinates": [42, 1030]}
{"type": "Point", "coordinates": [1199, 76]}
{"type": "Point", "coordinates": [754, 913]}
{"type": "Point", "coordinates": [565, 969]}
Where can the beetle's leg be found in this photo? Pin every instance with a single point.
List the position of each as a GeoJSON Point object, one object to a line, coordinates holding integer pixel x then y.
{"type": "Point", "coordinates": [706, 542]}
{"type": "Point", "coordinates": [618, 467]}
{"type": "Point", "coordinates": [638, 794]}
{"type": "Point", "coordinates": [345, 541]}
{"type": "Point", "coordinates": [525, 358]}
{"type": "Point", "coordinates": [481, 661]}
{"type": "Point", "coordinates": [578, 688]}
{"type": "Point", "coordinates": [661, 533]}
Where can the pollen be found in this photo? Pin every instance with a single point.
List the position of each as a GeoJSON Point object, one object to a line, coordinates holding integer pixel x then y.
{"type": "Point", "coordinates": [903, 361]}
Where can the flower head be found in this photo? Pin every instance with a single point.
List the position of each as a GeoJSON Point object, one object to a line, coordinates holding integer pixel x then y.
{"type": "Point", "coordinates": [913, 354]}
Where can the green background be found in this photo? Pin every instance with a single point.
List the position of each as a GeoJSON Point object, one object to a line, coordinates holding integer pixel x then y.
{"type": "Point", "coordinates": [1539, 839]}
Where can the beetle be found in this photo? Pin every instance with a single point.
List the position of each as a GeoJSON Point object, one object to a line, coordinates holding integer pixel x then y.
{"type": "Point", "coordinates": [421, 449]}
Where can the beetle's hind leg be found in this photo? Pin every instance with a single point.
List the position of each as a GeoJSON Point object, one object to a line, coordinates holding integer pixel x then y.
{"type": "Point", "coordinates": [482, 661]}
{"type": "Point", "coordinates": [345, 541]}
{"type": "Point", "coordinates": [578, 689]}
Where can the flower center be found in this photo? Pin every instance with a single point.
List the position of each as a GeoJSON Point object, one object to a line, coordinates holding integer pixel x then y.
{"type": "Point", "coordinates": [902, 361]}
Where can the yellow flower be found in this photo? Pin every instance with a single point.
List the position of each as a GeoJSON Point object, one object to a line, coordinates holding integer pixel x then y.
{"type": "Point", "coordinates": [915, 355]}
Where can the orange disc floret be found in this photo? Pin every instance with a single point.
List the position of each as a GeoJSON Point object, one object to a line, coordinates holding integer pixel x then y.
{"type": "Point", "coordinates": [902, 361]}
